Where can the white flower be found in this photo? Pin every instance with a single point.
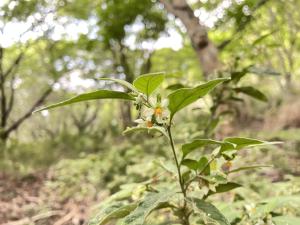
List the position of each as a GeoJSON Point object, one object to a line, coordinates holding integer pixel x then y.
{"type": "Point", "coordinates": [159, 111]}
{"type": "Point", "coordinates": [144, 123]}
{"type": "Point", "coordinates": [162, 112]}
{"type": "Point", "coordinates": [157, 114]}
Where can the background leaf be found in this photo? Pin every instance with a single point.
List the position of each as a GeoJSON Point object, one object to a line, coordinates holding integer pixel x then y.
{"type": "Point", "coordinates": [286, 220]}
{"type": "Point", "coordinates": [210, 211]}
{"type": "Point", "coordinates": [115, 211]}
{"type": "Point", "coordinates": [224, 188]}
{"type": "Point", "coordinates": [149, 203]}
{"type": "Point", "coordinates": [253, 92]}
{"type": "Point", "coordinates": [248, 168]}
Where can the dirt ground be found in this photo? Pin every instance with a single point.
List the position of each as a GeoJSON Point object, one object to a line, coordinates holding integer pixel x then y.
{"type": "Point", "coordinates": [25, 201]}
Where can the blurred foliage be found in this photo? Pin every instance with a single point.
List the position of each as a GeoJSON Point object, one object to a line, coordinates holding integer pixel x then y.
{"type": "Point", "coordinates": [86, 158]}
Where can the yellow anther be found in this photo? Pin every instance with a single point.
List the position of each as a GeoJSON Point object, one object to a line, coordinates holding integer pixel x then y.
{"type": "Point", "coordinates": [149, 124]}
{"type": "Point", "coordinates": [158, 111]}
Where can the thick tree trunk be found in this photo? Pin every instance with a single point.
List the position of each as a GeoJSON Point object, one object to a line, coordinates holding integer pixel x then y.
{"type": "Point", "coordinates": [205, 49]}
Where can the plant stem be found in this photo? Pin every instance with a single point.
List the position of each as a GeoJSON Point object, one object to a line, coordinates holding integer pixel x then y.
{"type": "Point", "coordinates": [176, 161]}
{"type": "Point", "coordinates": [185, 218]}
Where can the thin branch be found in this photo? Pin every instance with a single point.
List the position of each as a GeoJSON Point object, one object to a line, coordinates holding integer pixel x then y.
{"type": "Point", "coordinates": [14, 65]}
{"type": "Point", "coordinates": [12, 97]}
{"type": "Point", "coordinates": [26, 115]}
{"type": "Point", "coordinates": [2, 91]}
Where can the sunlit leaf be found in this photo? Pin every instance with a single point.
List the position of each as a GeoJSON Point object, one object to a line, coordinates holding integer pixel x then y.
{"type": "Point", "coordinates": [101, 94]}
{"type": "Point", "coordinates": [121, 82]}
{"type": "Point", "coordinates": [147, 83]}
{"type": "Point", "coordinates": [186, 96]}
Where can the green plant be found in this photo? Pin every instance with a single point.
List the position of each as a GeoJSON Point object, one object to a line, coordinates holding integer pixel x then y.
{"type": "Point", "coordinates": [198, 175]}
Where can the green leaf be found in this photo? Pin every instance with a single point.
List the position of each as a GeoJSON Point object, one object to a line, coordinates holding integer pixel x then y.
{"type": "Point", "coordinates": [198, 143]}
{"type": "Point", "coordinates": [147, 83]}
{"type": "Point", "coordinates": [101, 94]}
{"type": "Point", "coordinates": [115, 211]}
{"type": "Point", "coordinates": [216, 179]}
{"type": "Point", "coordinates": [225, 188]}
{"type": "Point", "coordinates": [202, 163]}
{"type": "Point", "coordinates": [248, 168]}
{"type": "Point", "coordinates": [253, 92]}
{"type": "Point", "coordinates": [190, 163]}
{"type": "Point", "coordinates": [261, 38]}
{"type": "Point", "coordinates": [121, 82]}
{"type": "Point", "coordinates": [236, 76]}
{"type": "Point", "coordinates": [210, 211]}
{"type": "Point", "coordinates": [151, 201]}
{"type": "Point", "coordinates": [286, 220]}
{"type": "Point", "coordinates": [186, 96]}
{"type": "Point", "coordinates": [241, 142]}
{"type": "Point", "coordinates": [148, 129]}
{"type": "Point", "coordinates": [228, 154]}
{"type": "Point", "coordinates": [174, 87]}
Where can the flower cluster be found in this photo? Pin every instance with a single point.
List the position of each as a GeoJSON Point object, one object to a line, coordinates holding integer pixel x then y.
{"type": "Point", "coordinates": [153, 114]}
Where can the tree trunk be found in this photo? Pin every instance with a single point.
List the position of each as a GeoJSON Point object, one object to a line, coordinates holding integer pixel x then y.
{"type": "Point", "coordinates": [206, 51]}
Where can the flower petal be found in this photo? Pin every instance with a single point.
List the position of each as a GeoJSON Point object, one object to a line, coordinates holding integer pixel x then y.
{"type": "Point", "coordinates": [165, 103]}
{"type": "Point", "coordinates": [139, 121]}
{"type": "Point", "coordinates": [148, 112]}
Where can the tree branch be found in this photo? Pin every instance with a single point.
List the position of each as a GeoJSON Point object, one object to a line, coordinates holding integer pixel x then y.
{"type": "Point", "coordinates": [14, 65]}
{"type": "Point", "coordinates": [26, 115]}
{"type": "Point", "coordinates": [2, 92]}
{"type": "Point", "coordinates": [11, 98]}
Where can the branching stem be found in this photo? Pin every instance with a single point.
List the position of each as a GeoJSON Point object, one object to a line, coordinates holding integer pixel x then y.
{"type": "Point", "coordinates": [185, 218]}
{"type": "Point", "coordinates": [176, 161]}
